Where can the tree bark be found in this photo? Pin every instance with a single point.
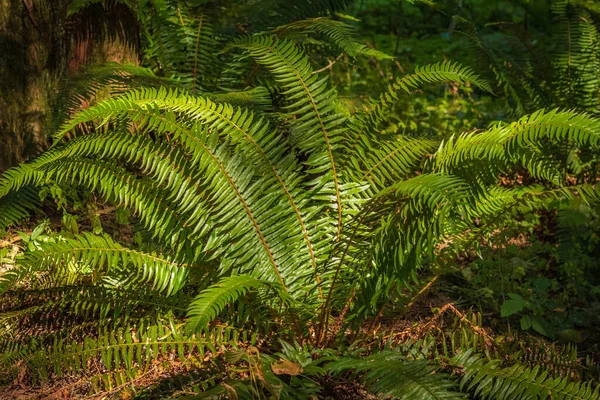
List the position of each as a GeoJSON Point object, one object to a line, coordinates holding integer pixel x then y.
{"type": "Point", "coordinates": [36, 52]}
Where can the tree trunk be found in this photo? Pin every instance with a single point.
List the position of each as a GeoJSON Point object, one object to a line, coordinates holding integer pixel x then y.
{"type": "Point", "coordinates": [35, 54]}
{"type": "Point", "coordinates": [23, 85]}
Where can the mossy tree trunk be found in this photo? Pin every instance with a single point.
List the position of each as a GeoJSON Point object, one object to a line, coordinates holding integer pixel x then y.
{"type": "Point", "coordinates": [37, 50]}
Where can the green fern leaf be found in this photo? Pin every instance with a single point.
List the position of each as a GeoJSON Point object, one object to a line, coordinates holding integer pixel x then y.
{"type": "Point", "coordinates": [339, 32]}
{"type": "Point", "coordinates": [390, 375]}
{"type": "Point", "coordinates": [210, 302]}
{"type": "Point", "coordinates": [488, 380]}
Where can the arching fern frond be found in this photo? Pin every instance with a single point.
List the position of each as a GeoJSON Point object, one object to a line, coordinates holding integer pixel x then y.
{"type": "Point", "coordinates": [445, 72]}
{"type": "Point", "coordinates": [252, 137]}
{"type": "Point", "coordinates": [17, 206]}
{"type": "Point", "coordinates": [211, 301]}
{"type": "Point", "coordinates": [181, 118]}
{"type": "Point", "coordinates": [32, 306]}
{"type": "Point", "coordinates": [502, 147]}
{"type": "Point", "coordinates": [103, 255]}
{"type": "Point", "coordinates": [89, 85]}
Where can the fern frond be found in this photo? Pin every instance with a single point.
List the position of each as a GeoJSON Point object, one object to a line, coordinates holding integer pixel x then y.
{"type": "Point", "coordinates": [436, 73]}
{"type": "Point", "coordinates": [144, 110]}
{"type": "Point", "coordinates": [389, 374]}
{"type": "Point", "coordinates": [182, 45]}
{"type": "Point", "coordinates": [96, 81]}
{"type": "Point", "coordinates": [102, 255]}
{"type": "Point", "coordinates": [211, 301]}
{"type": "Point", "coordinates": [258, 98]}
{"type": "Point", "coordinates": [363, 146]}
{"type": "Point", "coordinates": [126, 348]}
{"type": "Point", "coordinates": [489, 380]}
{"type": "Point", "coordinates": [384, 162]}
{"type": "Point", "coordinates": [339, 32]}
{"type": "Point", "coordinates": [482, 155]}
{"type": "Point", "coordinates": [577, 57]}
{"type": "Point", "coordinates": [32, 306]}
{"type": "Point", "coordinates": [318, 125]}
{"type": "Point", "coordinates": [445, 72]}
{"type": "Point", "coordinates": [17, 206]}
{"type": "Point", "coordinates": [520, 70]}
{"type": "Point", "coordinates": [208, 155]}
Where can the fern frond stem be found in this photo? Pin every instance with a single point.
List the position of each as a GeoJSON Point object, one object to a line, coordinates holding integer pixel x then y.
{"type": "Point", "coordinates": [423, 290]}
{"type": "Point", "coordinates": [323, 325]}
{"type": "Point", "coordinates": [195, 72]}
{"type": "Point", "coordinates": [335, 177]}
{"type": "Point", "coordinates": [566, 164]}
{"type": "Point", "coordinates": [379, 314]}
{"type": "Point", "coordinates": [324, 318]}
{"type": "Point", "coordinates": [329, 66]}
{"type": "Point", "coordinates": [340, 320]}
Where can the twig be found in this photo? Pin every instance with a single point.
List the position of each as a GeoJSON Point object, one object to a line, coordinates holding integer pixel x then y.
{"type": "Point", "coordinates": [331, 63]}
{"type": "Point", "coordinates": [449, 306]}
{"type": "Point", "coordinates": [425, 288]}
{"type": "Point", "coordinates": [340, 320]}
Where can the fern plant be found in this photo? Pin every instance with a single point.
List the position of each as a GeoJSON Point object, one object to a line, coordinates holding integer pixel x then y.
{"type": "Point", "coordinates": [533, 72]}
{"type": "Point", "coordinates": [304, 218]}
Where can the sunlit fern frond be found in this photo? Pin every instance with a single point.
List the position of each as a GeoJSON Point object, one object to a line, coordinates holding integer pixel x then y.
{"type": "Point", "coordinates": [211, 301]}
{"type": "Point", "coordinates": [98, 256]}
{"type": "Point", "coordinates": [520, 143]}
{"type": "Point", "coordinates": [318, 125]}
